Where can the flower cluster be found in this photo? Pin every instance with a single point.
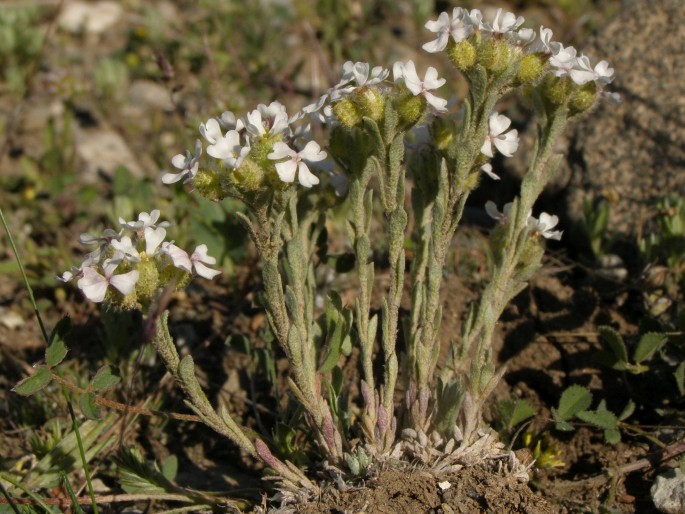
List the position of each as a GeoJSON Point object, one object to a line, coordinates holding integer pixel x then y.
{"type": "Point", "coordinates": [542, 226]}
{"type": "Point", "coordinates": [128, 267]}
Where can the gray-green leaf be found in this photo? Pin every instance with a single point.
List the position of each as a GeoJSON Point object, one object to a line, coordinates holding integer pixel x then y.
{"type": "Point", "coordinates": [106, 378]}
{"type": "Point", "coordinates": [34, 383]}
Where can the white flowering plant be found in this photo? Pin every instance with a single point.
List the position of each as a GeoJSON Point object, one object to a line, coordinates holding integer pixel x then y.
{"type": "Point", "coordinates": [387, 131]}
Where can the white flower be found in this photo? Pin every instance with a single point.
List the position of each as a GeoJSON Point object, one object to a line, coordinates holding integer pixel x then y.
{"type": "Point", "coordinates": [458, 28]}
{"type": "Point", "coordinates": [188, 165]}
{"type": "Point", "coordinates": [582, 72]}
{"type": "Point", "coordinates": [359, 73]}
{"type": "Point", "coordinates": [544, 226]}
{"type": "Point", "coordinates": [544, 43]}
{"type": "Point", "coordinates": [68, 276]}
{"type": "Point", "coordinates": [144, 220]}
{"type": "Point", "coordinates": [125, 249]}
{"type": "Point", "coordinates": [229, 149]}
{"type": "Point", "coordinates": [106, 238]}
{"type": "Point", "coordinates": [521, 38]}
{"type": "Point", "coordinates": [211, 130]}
{"type": "Point", "coordinates": [564, 61]}
{"type": "Point", "coordinates": [493, 212]}
{"type": "Point", "coordinates": [267, 120]}
{"type": "Point", "coordinates": [94, 285]}
{"type": "Point", "coordinates": [199, 258]}
{"type": "Point", "coordinates": [603, 73]}
{"type": "Point", "coordinates": [295, 164]}
{"type": "Point", "coordinates": [153, 238]}
{"type": "Point", "coordinates": [507, 143]}
{"type": "Point", "coordinates": [407, 73]}
{"type": "Point", "coordinates": [509, 23]}
{"type": "Point", "coordinates": [228, 121]}
{"type": "Point", "coordinates": [474, 18]}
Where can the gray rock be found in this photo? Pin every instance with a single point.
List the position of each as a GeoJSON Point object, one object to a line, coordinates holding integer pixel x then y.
{"type": "Point", "coordinates": [94, 18]}
{"type": "Point", "coordinates": [104, 151]}
{"type": "Point", "coordinates": [632, 153]}
{"type": "Point", "coordinates": [668, 492]}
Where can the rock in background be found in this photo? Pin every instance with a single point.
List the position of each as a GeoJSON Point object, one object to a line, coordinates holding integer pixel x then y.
{"type": "Point", "coordinates": [632, 153]}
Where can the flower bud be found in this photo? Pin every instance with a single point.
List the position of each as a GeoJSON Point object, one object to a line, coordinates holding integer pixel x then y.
{"type": "Point", "coordinates": [410, 108]}
{"type": "Point", "coordinates": [370, 102]}
{"type": "Point", "coordinates": [556, 90]}
{"type": "Point", "coordinates": [462, 54]}
{"type": "Point", "coordinates": [250, 177]}
{"type": "Point", "coordinates": [531, 69]}
{"type": "Point", "coordinates": [443, 131]}
{"type": "Point", "coordinates": [171, 273]}
{"type": "Point", "coordinates": [208, 184]}
{"type": "Point", "coordinates": [148, 279]}
{"type": "Point", "coordinates": [494, 55]}
{"type": "Point", "coordinates": [347, 113]}
{"type": "Point", "coordinates": [583, 99]}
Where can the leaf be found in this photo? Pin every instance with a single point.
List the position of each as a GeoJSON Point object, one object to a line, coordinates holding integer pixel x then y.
{"type": "Point", "coordinates": [31, 385]}
{"type": "Point", "coordinates": [649, 343]}
{"type": "Point", "coordinates": [87, 405]}
{"type": "Point", "coordinates": [522, 411]}
{"type": "Point", "coordinates": [627, 410]}
{"type": "Point", "coordinates": [679, 375]}
{"type": "Point", "coordinates": [57, 350]}
{"type": "Point", "coordinates": [615, 342]}
{"type": "Point", "coordinates": [138, 476]}
{"type": "Point", "coordinates": [337, 331]}
{"type": "Point", "coordinates": [601, 418]}
{"type": "Point", "coordinates": [612, 436]}
{"type": "Point", "coordinates": [106, 378]}
{"type": "Point", "coordinates": [239, 343]}
{"type": "Point", "coordinates": [561, 424]}
{"type": "Point", "coordinates": [573, 400]}
{"type": "Point", "coordinates": [170, 467]}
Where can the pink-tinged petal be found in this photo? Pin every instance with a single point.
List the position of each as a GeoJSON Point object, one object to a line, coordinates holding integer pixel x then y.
{"type": "Point", "coordinates": [153, 238]}
{"type": "Point", "coordinates": [93, 285]}
{"type": "Point", "coordinates": [205, 272]}
{"type": "Point", "coordinates": [126, 282]}
{"type": "Point", "coordinates": [179, 257]}
{"type": "Point", "coordinates": [305, 177]}
{"type": "Point", "coordinates": [200, 255]}
{"type": "Point", "coordinates": [286, 170]}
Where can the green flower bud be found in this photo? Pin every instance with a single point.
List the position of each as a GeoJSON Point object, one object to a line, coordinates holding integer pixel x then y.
{"type": "Point", "coordinates": [462, 54]}
{"type": "Point", "coordinates": [171, 273]}
{"type": "Point", "coordinates": [556, 90]}
{"type": "Point", "coordinates": [531, 69]}
{"type": "Point", "coordinates": [148, 279]}
{"type": "Point", "coordinates": [443, 131]}
{"type": "Point", "coordinates": [472, 180]}
{"type": "Point", "coordinates": [370, 102]}
{"type": "Point", "coordinates": [410, 108]}
{"type": "Point", "coordinates": [250, 177]}
{"type": "Point", "coordinates": [583, 99]}
{"type": "Point", "coordinates": [208, 184]}
{"type": "Point", "coordinates": [347, 113]}
{"type": "Point", "coordinates": [494, 55]}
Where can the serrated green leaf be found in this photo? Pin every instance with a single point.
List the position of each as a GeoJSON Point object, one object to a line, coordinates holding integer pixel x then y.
{"type": "Point", "coordinates": [561, 424]}
{"type": "Point", "coordinates": [599, 418]}
{"type": "Point", "coordinates": [31, 385]}
{"type": "Point", "coordinates": [612, 436]}
{"type": "Point", "coordinates": [573, 400]}
{"type": "Point", "coordinates": [649, 344]}
{"type": "Point", "coordinates": [87, 405]}
{"type": "Point", "coordinates": [170, 467]}
{"type": "Point", "coordinates": [57, 349]}
{"type": "Point", "coordinates": [106, 378]}
{"type": "Point", "coordinates": [614, 341]}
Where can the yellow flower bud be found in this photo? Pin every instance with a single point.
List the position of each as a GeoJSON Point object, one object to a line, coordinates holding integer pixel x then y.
{"type": "Point", "coordinates": [208, 184]}
{"type": "Point", "coordinates": [494, 55]}
{"type": "Point", "coordinates": [462, 54]}
{"type": "Point", "coordinates": [531, 69]}
{"type": "Point", "coordinates": [347, 113]}
{"type": "Point", "coordinates": [583, 99]}
{"type": "Point", "coordinates": [410, 108]}
{"type": "Point", "coordinates": [556, 90]}
{"type": "Point", "coordinates": [370, 102]}
{"type": "Point", "coordinates": [148, 279]}
{"type": "Point", "coordinates": [250, 177]}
